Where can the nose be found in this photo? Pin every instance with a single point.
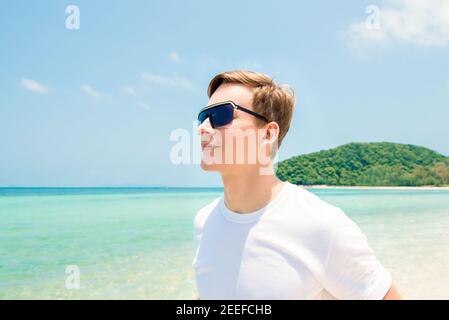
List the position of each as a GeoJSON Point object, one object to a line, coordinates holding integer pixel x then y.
{"type": "Point", "coordinates": [205, 127]}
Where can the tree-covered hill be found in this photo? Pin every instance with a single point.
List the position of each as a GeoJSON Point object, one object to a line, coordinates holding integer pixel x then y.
{"type": "Point", "coordinates": [368, 164]}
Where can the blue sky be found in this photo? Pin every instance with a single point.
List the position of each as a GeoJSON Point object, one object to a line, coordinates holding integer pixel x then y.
{"type": "Point", "coordinates": [96, 106]}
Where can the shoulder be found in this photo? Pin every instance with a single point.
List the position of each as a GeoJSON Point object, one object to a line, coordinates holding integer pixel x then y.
{"type": "Point", "coordinates": [324, 224]}
{"type": "Point", "coordinates": [333, 218]}
{"type": "Point", "coordinates": [316, 209]}
{"type": "Point", "coordinates": [307, 220]}
{"type": "Point", "coordinates": [204, 212]}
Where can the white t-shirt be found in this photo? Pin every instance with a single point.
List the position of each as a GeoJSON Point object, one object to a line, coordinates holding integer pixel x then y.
{"type": "Point", "coordinates": [296, 247]}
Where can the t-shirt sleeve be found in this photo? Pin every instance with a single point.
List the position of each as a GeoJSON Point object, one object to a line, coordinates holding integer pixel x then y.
{"type": "Point", "coordinates": [351, 270]}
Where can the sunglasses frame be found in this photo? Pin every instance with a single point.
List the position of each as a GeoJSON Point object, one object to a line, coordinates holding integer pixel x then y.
{"type": "Point", "coordinates": [235, 106]}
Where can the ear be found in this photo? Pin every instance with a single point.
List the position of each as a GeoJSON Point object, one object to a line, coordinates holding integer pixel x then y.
{"type": "Point", "coordinates": [271, 133]}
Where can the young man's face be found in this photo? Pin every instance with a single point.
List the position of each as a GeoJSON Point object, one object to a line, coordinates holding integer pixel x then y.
{"type": "Point", "coordinates": [239, 144]}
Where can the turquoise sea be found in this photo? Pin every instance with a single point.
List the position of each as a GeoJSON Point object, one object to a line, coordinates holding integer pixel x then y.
{"type": "Point", "coordinates": [137, 243]}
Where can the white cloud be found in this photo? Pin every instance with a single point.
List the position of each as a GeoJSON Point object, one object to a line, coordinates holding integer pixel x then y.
{"type": "Point", "coordinates": [420, 22]}
{"type": "Point", "coordinates": [91, 92]}
{"type": "Point", "coordinates": [174, 56]}
{"type": "Point", "coordinates": [175, 81]}
{"type": "Point", "coordinates": [129, 90]}
{"type": "Point", "coordinates": [145, 106]}
{"type": "Point", "coordinates": [33, 86]}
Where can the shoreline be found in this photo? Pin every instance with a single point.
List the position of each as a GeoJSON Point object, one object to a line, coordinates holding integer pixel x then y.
{"type": "Point", "coordinates": [324, 186]}
{"type": "Point", "coordinates": [317, 186]}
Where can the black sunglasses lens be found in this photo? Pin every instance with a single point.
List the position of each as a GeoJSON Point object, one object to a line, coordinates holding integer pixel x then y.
{"type": "Point", "coordinates": [222, 115]}
{"type": "Point", "coordinates": [202, 116]}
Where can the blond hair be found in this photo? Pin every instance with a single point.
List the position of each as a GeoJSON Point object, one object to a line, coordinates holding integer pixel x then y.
{"type": "Point", "coordinates": [275, 102]}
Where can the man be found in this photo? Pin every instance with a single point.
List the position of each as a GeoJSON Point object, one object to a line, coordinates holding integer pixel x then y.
{"type": "Point", "coordinates": [264, 238]}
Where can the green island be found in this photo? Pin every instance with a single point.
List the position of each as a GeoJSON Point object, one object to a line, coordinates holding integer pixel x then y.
{"type": "Point", "coordinates": [368, 164]}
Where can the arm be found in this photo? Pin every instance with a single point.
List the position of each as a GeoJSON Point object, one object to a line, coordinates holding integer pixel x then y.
{"type": "Point", "coordinates": [392, 294]}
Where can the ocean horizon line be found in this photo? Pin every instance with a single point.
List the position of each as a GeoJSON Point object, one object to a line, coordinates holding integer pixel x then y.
{"type": "Point", "coordinates": [109, 187]}
{"type": "Point", "coordinates": [323, 186]}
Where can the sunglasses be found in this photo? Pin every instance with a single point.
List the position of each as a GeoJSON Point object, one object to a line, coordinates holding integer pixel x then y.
{"type": "Point", "coordinates": [222, 113]}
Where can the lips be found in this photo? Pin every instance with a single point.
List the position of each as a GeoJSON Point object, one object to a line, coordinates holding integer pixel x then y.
{"type": "Point", "coordinates": [207, 145]}
{"type": "Point", "coordinates": [204, 144]}
{"type": "Point", "coordinates": [205, 141]}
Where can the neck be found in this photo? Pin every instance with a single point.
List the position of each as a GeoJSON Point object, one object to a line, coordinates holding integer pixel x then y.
{"type": "Point", "coordinates": [249, 191]}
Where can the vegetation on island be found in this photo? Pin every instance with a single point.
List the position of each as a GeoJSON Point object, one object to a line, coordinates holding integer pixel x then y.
{"type": "Point", "coordinates": [368, 164]}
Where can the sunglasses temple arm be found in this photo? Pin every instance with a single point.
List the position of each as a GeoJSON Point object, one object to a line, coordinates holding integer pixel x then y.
{"type": "Point", "coordinates": [253, 113]}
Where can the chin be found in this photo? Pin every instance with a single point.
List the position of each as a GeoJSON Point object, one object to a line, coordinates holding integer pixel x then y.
{"type": "Point", "coordinates": [209, 167]}
{"type": "Point", "coordinates": [208, 161]}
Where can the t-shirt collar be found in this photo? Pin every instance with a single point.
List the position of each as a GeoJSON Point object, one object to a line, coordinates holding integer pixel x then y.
{"type": "Point", "coordinates": [255, 215]}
